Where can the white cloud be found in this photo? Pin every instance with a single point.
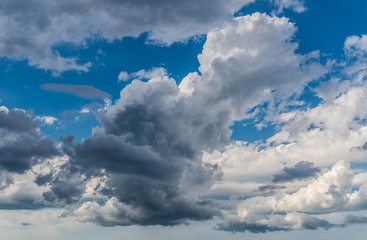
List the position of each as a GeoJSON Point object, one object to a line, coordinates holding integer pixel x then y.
{"type": "Point", "coordinates": [295, 5]}
{"type": "Point", "coordinates": [123, 76]}
{"type": "Point", "coordinates": [154, 73]}
{"type": "Point", "coordinates": [331, 136]}
{"type": "Point", "coordinates": [49, 120]}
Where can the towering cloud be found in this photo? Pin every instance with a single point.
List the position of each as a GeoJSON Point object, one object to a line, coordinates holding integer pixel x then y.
{"type": "Point", "coordinates": [151, 141]}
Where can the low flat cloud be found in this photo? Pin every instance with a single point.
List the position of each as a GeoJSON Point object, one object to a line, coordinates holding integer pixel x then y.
{"type": "Point", "coordinates": [82, 91]}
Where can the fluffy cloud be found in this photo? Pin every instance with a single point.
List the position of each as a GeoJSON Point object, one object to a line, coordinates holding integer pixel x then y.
{"type": "Point", "coordinates": [329, 137]}
{"type": "Point", "coordinates": [285, 211]}
{"type": "Point", "coordinates": [163, 154]}
{"type": "Point", "coordinates": [151, 141]}
{"type": "Point", "coordinates": [22, 145]}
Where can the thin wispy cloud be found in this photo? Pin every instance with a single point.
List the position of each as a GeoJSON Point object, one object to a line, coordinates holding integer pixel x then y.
{"type": "Point", "coordinates": [82, 91]}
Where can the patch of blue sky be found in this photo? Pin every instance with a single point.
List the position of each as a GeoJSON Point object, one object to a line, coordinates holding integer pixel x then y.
{"type": "Point", "coordinates": [359, 166]}
{"type": "Point", "coordinates": [257, 128]}
{"type": "Point", "coordinates": [21, 89]}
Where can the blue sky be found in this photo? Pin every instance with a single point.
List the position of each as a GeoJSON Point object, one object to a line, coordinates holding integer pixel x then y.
{"type": "Point", "coordinates": [237, 119]}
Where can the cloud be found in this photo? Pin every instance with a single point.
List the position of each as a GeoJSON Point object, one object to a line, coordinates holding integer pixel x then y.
{"type": "Point", "coordinates": [303, 135]}
{"type": "Point", "coordinates": [82, 91]}
{"type": "Point", "coordinates": [151, 140]}
{"type": "Point", "coordinates": [49, 120]}
{"type": "Point", "coordinates": [32, 34]}
{"type": "Point", "coordinates": [123, 76]}
{"type": "Point", "coordinates": [300, 170]}
{"type": "Point", "coordinates": [295, 5]}
{"type": "Point", "coordinates": [163, 153]}
{"type": "Point", "coordinates": [143, 74]}
{"type": "Point", "coordinates": [288, 211]}
{"type": "Point", "coordinates": [21, 143]}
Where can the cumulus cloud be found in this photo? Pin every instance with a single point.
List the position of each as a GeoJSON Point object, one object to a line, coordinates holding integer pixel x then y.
{"type": "Point", "coordinates": [331, 136]}
{"type": "Point", "coordinates": [163, 154]}
{"type": "Point", "coordinates": [151, 140]}
{"type": "Point", "coordinates": [22, 145]}
{"type": "Point", "coordinates": [287, 211]}
{"type": "Point", "coordinates": [82, 91]}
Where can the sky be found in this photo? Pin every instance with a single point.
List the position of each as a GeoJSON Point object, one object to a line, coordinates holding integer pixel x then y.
{"type": "Point", "coordinates": [169, 119]}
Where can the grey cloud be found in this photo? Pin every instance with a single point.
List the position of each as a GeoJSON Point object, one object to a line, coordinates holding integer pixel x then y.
{"type": "Point", "coordinates": [352, 219]}
{"type": "Point", "coordinates": [360, 148]}
{"type": "Point", "coordinates": [307, 222]}
{"type": "Point", "coordinates": [150, 148]}
{"type": "Point", "coordinates": [150, 144]}
{"type": "Point", "coordinates": [238, 226]}
{"type": "Point", "coordinates": [23, 203]}
{"type": "Point", "coordinates": [301, 170]}
{"type": "Point", "coordinates": [17, 120]}
{"type": "Point", "coordinates": [313, 223]}
{"type": "Point", "coordinates": [156, 201]}
{"type": "Point", "coordinates": [121, 157]}
{"type": "Point", "coordinates": [30, 29]}
{"type": "Point", "coordinates": [151, 140]}
{"type": "Point", "coordinates": [270, 188]}
{"type": "Point", "coordinates": [22, 145]}
{"type": "Point", "coordinates": [22, 154]}
{"type": "Point", "coordinates": [82, 91]}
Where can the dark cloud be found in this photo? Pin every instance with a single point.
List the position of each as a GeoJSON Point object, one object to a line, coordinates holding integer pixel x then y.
{"type": "Point", "coordinates": [81, 91]}
{"type": "Point", "coordinates": [351, 219]}
{"type": "Point", "coordinates": [238, 226]}
{"type": "Point", "coordinates": [150, 147]}
{"type": "Point", "coordinates": [156, 201]}
{"type": "Point", "coordinates": [300, 170]}
{"type": "Point", "coordinates": [22, 144]}
{"type": "Point", "coordinates": [270, 187]}
{"type": "Point", "coordinates": [313, 223]}
{"type": "Point", "coordinates": [17, 120]}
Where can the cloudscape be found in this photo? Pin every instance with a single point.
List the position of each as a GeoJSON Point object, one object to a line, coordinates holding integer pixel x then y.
{"type": "Point", "coordinates": [168, 119]}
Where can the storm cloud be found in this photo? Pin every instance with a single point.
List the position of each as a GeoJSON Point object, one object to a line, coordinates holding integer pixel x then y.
{"type": "Point", "coordinates": [22, 145]}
